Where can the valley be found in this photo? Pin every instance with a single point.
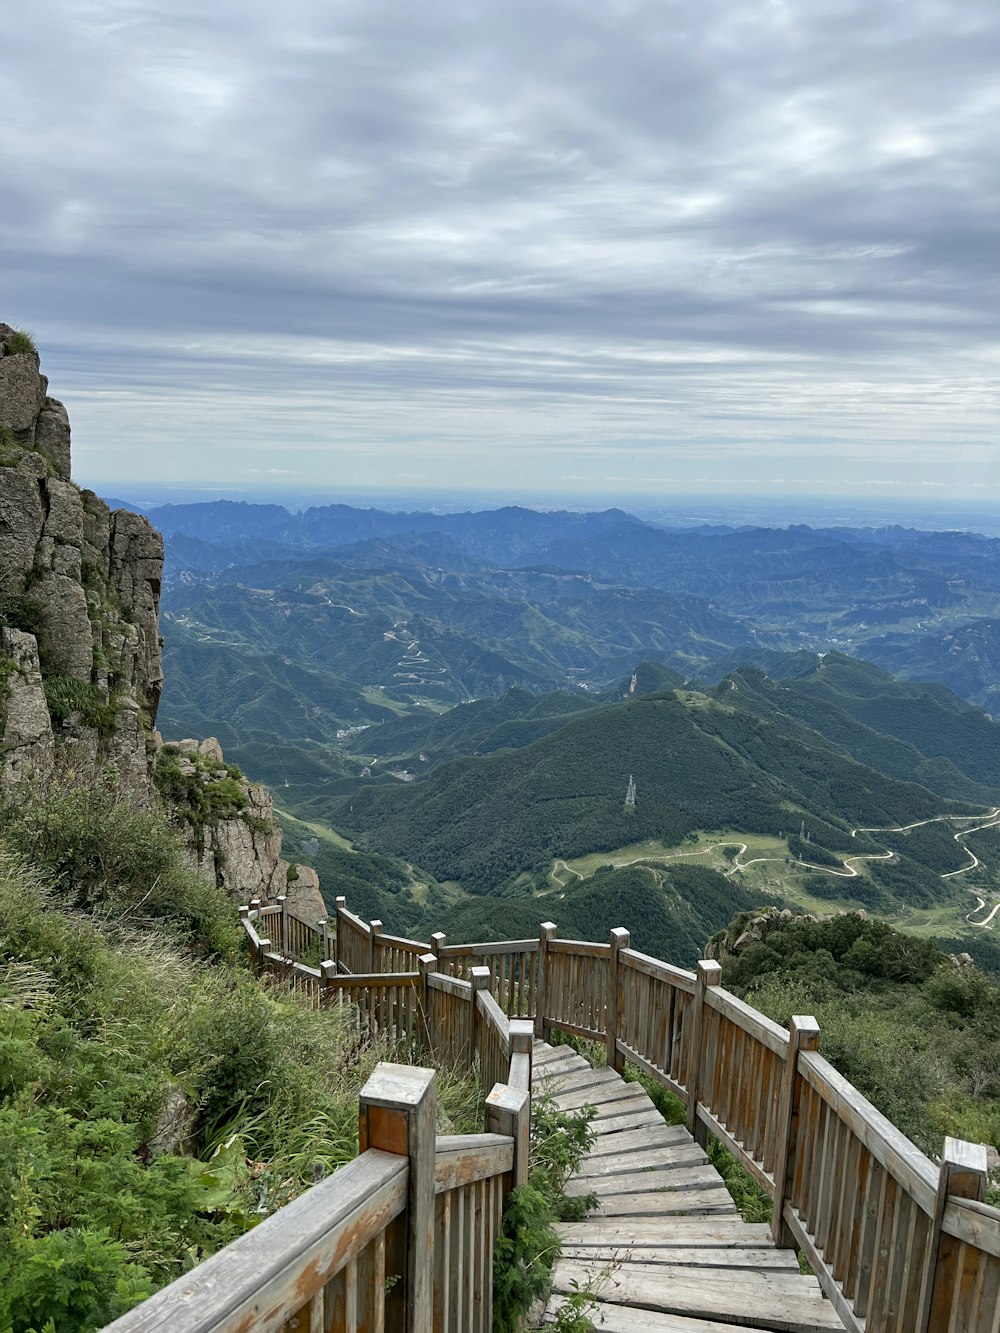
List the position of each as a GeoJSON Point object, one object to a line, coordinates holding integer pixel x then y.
{"type": "Point", "coordinates": [464, 697]}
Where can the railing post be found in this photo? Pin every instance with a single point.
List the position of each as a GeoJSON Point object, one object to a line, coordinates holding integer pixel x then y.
{"type": "Point", "coordinates": [620, 939]}
{"type": "Point", "coordinates": [327, 971]}
{"type": "Point", "coordinates": [324, 940]}
{"type": "Point", "coordinates": [546, 932]}
{"type": "Point", "coordinates": [427, 964]}
{"type": "Point", "coordinates": [708, 974]}
{"type": "Point", "coordinates": [508, 1111]}
{"type": "Point", "coordinates": [282, 901]}
{"type": "Point", "coordinates": [963, 1176]}
{"type": "Point", "coordinates": [522, 1040]}
{"type": "Point", "coordinates": [396, 1115]}
{"type": "Point", "coordinates": [480, 978]}
{"type": "Point", "coordinates": [375, 929]}
{"type": "Point", "coordinates": [803, 1035]}
{"type": "Point", "coordinates": [338, 953]}
{"type": "Point", "coordinates": [438, 941]}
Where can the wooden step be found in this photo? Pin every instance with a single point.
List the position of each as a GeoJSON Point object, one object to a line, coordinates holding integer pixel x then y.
{"type": "Point", "coordinates": [726, 1257]}
{"type": "Point", "coordinates": [638, 1159]}
{"type": "Point", "coordinates": [646, 1182]}
{"type": "Point", "coordinates": [785, 1302]}
{"type": "Point", "coordinates": [574, 1080]}
{"type": "Point", "coordinates": [623, 1319]}
{"type": "Point", "coordinates": [665, 1232]}
{"type": "Point", "coordinates": [599, 1094]}
{"type": "Point", "coordinates": [670, 1203]}
{"type": "Point", "coordinates": [648, 1136]}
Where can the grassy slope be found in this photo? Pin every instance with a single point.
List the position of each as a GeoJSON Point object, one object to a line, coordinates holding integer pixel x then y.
{"type": "Point", "coordinates": [122, 984]}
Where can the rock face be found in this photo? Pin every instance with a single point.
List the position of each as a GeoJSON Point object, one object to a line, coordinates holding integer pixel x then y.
{"type": "Point", "coordinates": [28, 747]}
{"type": "Point", "coordinates": [230, 828]}
{"type": "Point", "coordinates": [80, 668]}
{"type": "Point", "coordinates": [79, 598]}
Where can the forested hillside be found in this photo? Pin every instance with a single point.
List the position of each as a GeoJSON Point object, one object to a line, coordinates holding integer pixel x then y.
{"type": "Point", "coordinates": [914, 1030]}
{"type": "Point", "coordinates": [700, 760]}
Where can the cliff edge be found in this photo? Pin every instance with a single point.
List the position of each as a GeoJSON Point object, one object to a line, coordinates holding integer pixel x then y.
{"type": "Point", "coordinates": [80, 665]}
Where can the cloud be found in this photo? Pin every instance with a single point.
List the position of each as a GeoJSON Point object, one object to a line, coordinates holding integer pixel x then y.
{"type": "Point", "coordinates": [485, 237]}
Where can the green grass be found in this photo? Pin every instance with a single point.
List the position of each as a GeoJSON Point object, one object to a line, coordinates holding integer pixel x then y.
{"type": "Point", "coordinates": [68, 697]}
{"type": "Point", "coordinates": [122, 982]}
{"type": "Point", "coordinates": [21, 343]}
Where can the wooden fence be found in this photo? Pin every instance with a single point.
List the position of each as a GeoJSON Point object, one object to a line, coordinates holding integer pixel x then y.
{"type": "Point", "coordinates": [899, 1243]}
{"type": "Point", "coordinates": [399, 1239]}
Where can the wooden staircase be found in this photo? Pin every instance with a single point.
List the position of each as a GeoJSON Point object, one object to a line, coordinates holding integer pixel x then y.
{"type": "Point", "coordinates": [665, 1249]}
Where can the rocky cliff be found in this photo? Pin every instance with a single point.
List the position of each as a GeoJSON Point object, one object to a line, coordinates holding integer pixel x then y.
{"type": "Point", "coordinates": [80, 667]}
{"type": "Point", "coordinates": [79, 595]}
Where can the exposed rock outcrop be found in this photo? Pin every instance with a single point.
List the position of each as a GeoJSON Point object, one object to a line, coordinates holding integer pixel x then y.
{"type": "Point", "coordinates": [80, 667]}
{"type": "Point", "coordinates": [24, 715]}
{"type": "Point", "coordinates": [230, 827]}
{"type": "Point", "coordinates": [79, 600]}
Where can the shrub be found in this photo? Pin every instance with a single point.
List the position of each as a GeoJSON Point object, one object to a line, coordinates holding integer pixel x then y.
{"type": "Point", "coordinates": [198, 791]}
{"type": "Point", "coordinates": [67, 697]}
{"type": "Point", "coordinates": [19, 612]}
{"type": "Point", "coordinates": [101, 851]}
{"type": "Point", "coordinates": [21, 343]}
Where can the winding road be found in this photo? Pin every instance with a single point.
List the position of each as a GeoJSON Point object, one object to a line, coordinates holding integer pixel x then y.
{"type": "Point", "coordinates": [992, 820]}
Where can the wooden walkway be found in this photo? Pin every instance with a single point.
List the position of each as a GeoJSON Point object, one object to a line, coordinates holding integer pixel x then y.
{"type": "Point", "coordinates": [675, 1255]}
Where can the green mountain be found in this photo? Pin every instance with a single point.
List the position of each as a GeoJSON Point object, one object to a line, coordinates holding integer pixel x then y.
{"type": "Point", "coordinates": [964, 657]}
{"type": "Point", "coordinates": [911, 731]}
{"type": "Point", "coordinates": [700, 760]}
{"type": "Point", "coordinates": [517, 718]}
{"type": "Point", "coordinates": [670, 912]}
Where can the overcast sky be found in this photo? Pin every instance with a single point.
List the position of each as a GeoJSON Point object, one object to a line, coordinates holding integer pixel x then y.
{"type": "Point", "coordinates": [616, 246]}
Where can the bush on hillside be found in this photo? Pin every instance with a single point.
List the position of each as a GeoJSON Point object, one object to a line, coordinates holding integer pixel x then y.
{"type": "Point", "coordinates": [101, 1023]}
{"type": "Point", "coordinates": [103, 853]}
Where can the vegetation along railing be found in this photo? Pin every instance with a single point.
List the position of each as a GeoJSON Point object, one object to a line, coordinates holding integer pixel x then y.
{"type": "Point", "coordinates": [899, 1243]}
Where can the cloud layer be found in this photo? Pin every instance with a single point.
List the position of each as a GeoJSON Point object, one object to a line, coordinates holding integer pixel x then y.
{"type": "Point", "coordinates": [467, 242]}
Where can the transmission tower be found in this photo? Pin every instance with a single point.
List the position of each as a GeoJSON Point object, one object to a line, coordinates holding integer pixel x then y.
{"type": "Point", "coordinates": [630, 794]}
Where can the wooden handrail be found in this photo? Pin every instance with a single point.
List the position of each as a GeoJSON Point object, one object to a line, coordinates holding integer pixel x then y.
{"type": "Point", "coordinates": [897, 1241]}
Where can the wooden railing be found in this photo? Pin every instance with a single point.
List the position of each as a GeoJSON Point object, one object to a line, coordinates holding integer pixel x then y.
{"type": "Point", "coordinates": [401, 1238]}
{"type": "Point", "coordinates": [899, 1243]}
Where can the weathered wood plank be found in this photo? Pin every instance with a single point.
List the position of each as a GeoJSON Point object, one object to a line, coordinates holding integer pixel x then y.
{"type": "Point", "coordinates": [485, 949]}
{"type": "Point", "coordinates": [642, 1282]}
{"type": "Point", "coordinates": [576, 1030]}
{"type": "Point", "coordinates": [726, 1257]}
{"type": "Point", "coordinates": [748, 1019]}
{"type": "Point", "coordinates": [973, 1223]}
{"type": "Point", "coordinates": [601, 1094]}
{"type": "Point", "coordinates": [450, 985]}
{"type": "Point", "coordinates": [457, 1166]}
{"type": "Point", "coordinates": [578, 948]}
{"type": "Point", "coordinates": [653, 967]}
{"type": "Point", "coordinates": [576, 1078]}
{"type": "Point", "coordinates": [625, 1319]}
{"type": "Point", "coordinates": [641, 1159]}
{"type": "Point", "coordinates": [770, 1301]}
{"type": "Point", "coordinates": [891, 1148]}
{"type": "Point", "coordinates": [669, 1231]}
{"type": "Point", "coordinates": [257, 1281]}
{"type": "Point", "coordinates": [638, 1118]}
{"type": "Point", "coordinates": [677, 1203]}
{"type": "Point", "coordinates": [649, 1136]}
{"type": "Point", "coordinates": [646, 1182]}
{"type": "Point", "coordinates": [374, 980]}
